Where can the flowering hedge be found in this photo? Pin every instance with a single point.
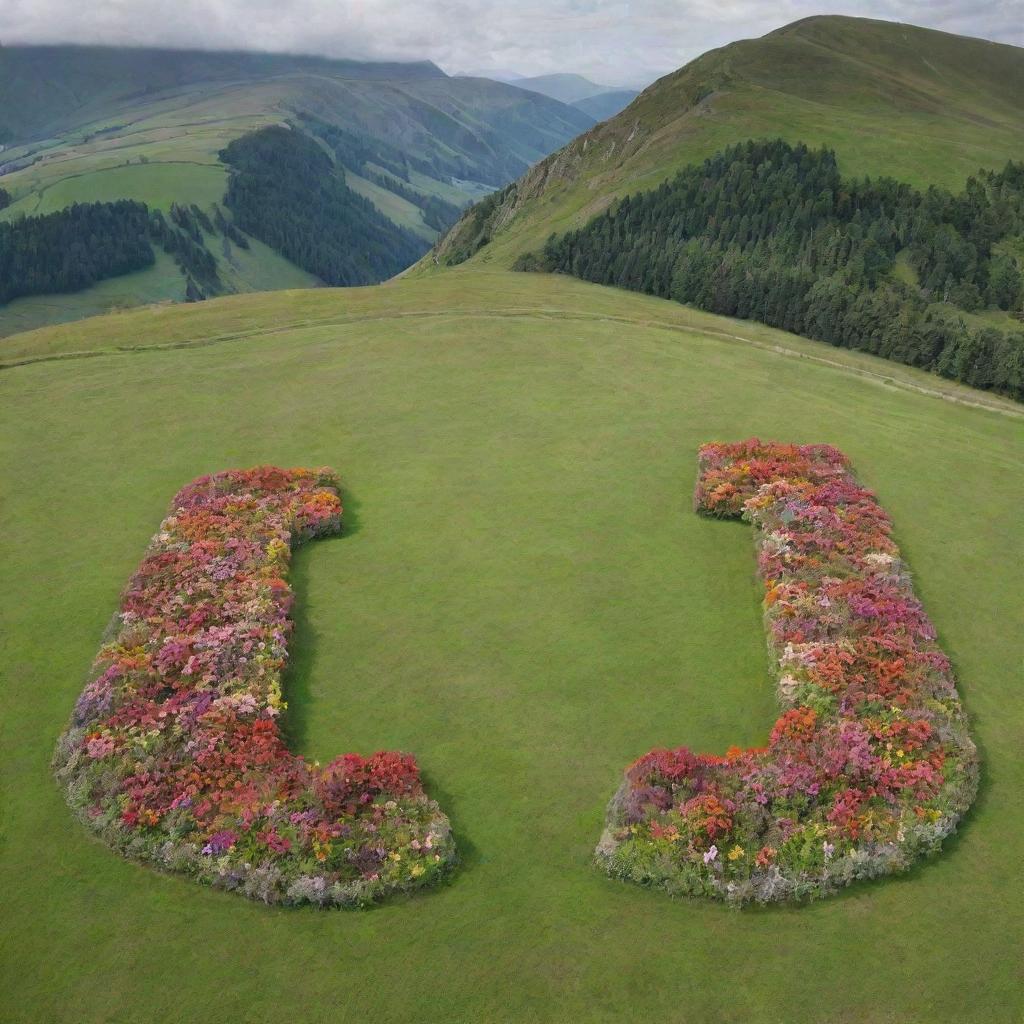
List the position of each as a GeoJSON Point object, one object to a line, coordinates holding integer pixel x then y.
{"type": "Point", "coordinates": [870, 765]}
{"type": "Point", "coordinates": [174, 753]}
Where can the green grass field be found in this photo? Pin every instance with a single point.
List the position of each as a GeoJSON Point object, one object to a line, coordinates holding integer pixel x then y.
{"type": "Point", "coordinates": [156, 184]}
{"type": "Point", "coordinates": [525, 600]}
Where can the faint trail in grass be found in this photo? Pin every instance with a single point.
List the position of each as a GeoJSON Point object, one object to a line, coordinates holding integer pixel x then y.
{"type": "Point", "coordinates": [534, 314]}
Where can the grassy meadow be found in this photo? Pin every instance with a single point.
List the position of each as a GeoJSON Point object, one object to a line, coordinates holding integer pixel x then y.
{"type": "Point", "coordinates": [525, 600]}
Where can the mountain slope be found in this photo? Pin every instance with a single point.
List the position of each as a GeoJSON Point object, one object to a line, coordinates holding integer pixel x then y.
{"type": "Point", "coordinates": [567, 88]}
{"type": "Point", "coordinates": [606, 104]}
{"type": "Point", "coordinates": [49, 88]}
{"type": "Point", "coordinates": [921, 106]}
{"type": "Point", "coordinates": [93, 124]}
{"type": "Point", "coordinates": [72, 111]}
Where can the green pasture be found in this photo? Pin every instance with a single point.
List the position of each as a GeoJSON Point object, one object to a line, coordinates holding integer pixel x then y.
{"type": "Point", "coordinates": [158, 151]}
{"type": "Point", "coordinates": [523, 598]}
{"type": "Point", "coordinates": [156, 184]}
{"type": "Point", "coordinates": [395, 207]}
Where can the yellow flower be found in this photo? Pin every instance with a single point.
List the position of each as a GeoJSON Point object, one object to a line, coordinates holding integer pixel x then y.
{"type": "Point", "coordinates": [395, 856]}
{"type": "Point", "coordinates": [417, 870]}
{"type": "Point", "coordinates": [277, 549]}
{"type": "Point", "coordinates": [736, 852]}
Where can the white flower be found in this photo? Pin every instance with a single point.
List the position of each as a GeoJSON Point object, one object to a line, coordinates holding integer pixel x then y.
{"type": "Point", "coordinates": [787, 686]}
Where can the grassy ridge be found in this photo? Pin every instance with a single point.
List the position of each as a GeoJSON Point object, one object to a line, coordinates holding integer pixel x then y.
{"type": "Point", "coordinates": [558, 300]}
{"type": "Point", "coordinates": [917, 105]}
{"type": "Point", "coordinates": [525, 600]}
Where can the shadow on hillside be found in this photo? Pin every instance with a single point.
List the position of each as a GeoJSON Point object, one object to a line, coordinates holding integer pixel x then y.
{"type": "Point", "coordinates": [304, 643]}
{"type": "Point", "coordinates": [302, 667]}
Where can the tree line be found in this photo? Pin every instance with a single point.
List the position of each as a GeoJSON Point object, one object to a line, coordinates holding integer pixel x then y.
{"type": "Point", "coordinates": [772, 232]}
{"type": "Point", "coordinates": [86, 243]}
{"type": "Point", "coordinates": [438, 213]}
{"type": "Point", "coordinates": [285, 190]}
{"type": "Point", "coordinates": [73, 248]}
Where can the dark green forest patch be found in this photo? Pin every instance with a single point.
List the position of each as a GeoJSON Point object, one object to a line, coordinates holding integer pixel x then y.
{"type": "Point", "coordinates": [772, 232]}
{"type": "Point", "coordinates": [286, 191]}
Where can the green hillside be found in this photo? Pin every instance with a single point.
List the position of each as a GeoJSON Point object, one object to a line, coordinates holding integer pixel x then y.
{"type": "Point", "coordinates": [568, 88]}
{"type": "Point", "coordinates": [525, 600]}
{"type": "Point", "coordinates": [599, 101]}
{"type": "Point", "coordinates": [921, 106]}
{"type": "Point", "coordinates": [88, 124]}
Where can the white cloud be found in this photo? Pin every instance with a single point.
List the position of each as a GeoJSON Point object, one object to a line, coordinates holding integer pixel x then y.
{"type": "Point", "coordinates": [618, 42]}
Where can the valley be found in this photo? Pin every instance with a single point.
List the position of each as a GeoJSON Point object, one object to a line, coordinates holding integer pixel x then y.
{"type": "Point", "coordinates": [496, 345]}
{"type": "Point", "coordinates": [149, 126]}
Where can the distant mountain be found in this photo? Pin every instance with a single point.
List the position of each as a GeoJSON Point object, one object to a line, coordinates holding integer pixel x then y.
{"type": "Point", "coordinates": [606, 104]}
{"type": "Point", "coordinates": [566, 88]}
{"type": "Point", "coordinates": [498, 74]}
{"type": "Point", "coordinates": [99, 124]}
{"type": "Point", "coordinates": [49, 88]}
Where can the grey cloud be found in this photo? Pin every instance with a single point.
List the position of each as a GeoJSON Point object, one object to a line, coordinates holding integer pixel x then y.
{"type": "Point", "coordinates": [614, 42]}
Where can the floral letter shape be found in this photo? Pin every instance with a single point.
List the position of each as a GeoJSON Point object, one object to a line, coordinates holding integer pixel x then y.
{"type": "Point", "coordinates": [870, 765]}
{"type": "Point", "coordinates": [174, 754]}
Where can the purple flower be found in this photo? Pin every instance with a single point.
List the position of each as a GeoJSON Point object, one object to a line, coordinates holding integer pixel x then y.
{"type": "Point", "coordinates": [711, 855]}
{"type": "Point", "coordinates": [220, 842]}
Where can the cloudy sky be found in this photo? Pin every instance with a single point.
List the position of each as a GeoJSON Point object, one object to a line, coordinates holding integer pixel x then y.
{"type": "Point", "coordinates": [612, 41]}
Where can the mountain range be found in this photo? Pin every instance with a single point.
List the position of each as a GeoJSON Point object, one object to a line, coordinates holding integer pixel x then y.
{"type": "Point", "coordinates": [599, 101]}
{"type": "Point", "coordinates": [391, 153]}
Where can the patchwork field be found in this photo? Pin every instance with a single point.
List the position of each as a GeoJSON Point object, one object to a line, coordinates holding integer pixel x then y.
{"type": "Point", "coordinates": [525, 600]}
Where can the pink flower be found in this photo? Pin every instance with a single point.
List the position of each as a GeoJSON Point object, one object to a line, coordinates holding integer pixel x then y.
{"type": "Point", "coordinates": [100, 746]}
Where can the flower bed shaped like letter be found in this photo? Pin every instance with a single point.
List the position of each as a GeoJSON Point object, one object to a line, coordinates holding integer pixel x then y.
{"type": "Point", "coordinates": [174, 754]}
{"type": "Point", "coordinates": [870, 765]}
